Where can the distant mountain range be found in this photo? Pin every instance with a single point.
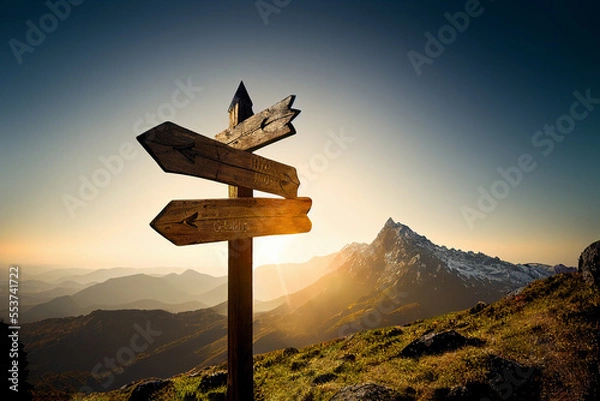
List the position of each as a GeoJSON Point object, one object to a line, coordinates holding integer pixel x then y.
{"type": "Point", "coordinates": [51, 295]}
{"type": "Point", "coordinates": [398, 278]}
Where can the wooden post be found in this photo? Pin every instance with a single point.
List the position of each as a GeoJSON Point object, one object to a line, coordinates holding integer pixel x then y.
{"type": "Point", "coordinates": [240, 383]}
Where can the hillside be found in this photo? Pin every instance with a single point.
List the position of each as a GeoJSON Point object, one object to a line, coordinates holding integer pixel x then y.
{"type": "Point", "coordinates": [542, 344]}
{"type": "Point", "coordinates": [107, 349]}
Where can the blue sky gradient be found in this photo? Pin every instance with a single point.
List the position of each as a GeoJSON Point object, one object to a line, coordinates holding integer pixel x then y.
{"type": "Point", "coordinates": [418, 146]}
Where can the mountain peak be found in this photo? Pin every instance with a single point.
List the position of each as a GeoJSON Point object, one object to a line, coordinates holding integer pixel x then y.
{"type": "Point", "coordinates": [400, 230]}
{"type": "Point", "coordinates": [390, 223]}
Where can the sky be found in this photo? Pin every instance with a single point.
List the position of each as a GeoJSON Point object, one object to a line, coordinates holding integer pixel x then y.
{"type": "Point", "coordinates": [477, 124]}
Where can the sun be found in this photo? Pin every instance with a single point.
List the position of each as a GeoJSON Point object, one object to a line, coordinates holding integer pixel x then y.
{"type": "Point", "coordinates": [271, 250]}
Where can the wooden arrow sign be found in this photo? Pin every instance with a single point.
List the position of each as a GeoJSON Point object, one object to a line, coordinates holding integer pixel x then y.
{"type": "Point", "coordinates": [261, 129]}
{"type": "Point", "coordinates": [188, 222]}
{"type": "Point", "coordinates": [179, 150]}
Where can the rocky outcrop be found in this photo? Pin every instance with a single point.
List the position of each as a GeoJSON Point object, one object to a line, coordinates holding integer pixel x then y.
{"type": "Point", "coordinates": [589, 263]}
{"type": "Point", "coordinates": [145, 390]}
{"type": "Point", "coordinates": [213, 381]}
{"type": "Point", "coordinates": [478, 308]}
{"type": "Point", "coordinates": [437, 343]}
{"type": "Point", "coordinates": [507, 380]}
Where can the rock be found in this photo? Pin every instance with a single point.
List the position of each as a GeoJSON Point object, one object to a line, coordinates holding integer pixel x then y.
{"type": "Point", "coordinates": [393, 332]}
{"type": "Point", "coordinates": [589, 263]}
{"type": "Point", "coordinates": [507, 380]}
{"type": "Point", "coordinates": [437, 343]}
{"type": "Point", "coordinates": [324, 378]}
{"type": "Point", "coordinates": [368, 392]}
{"type": "Point", "coordinates": [472, 391]}
{"type": "Point", "coordinates": [143, 391]}
{"type": "Point", "coordinates": [477, 308]}
{"type": "Point", "coordinates": [217, 397]}
{"type": "Point", "coordinates": [297, 365]}
{"type": "Point", "coordinates": [460, 393]}
{"type": "Point", "coordinates": [440, 394]}
{"type": "Point", "coordinates": [290, 351]}
{"type": "Point", "coordinates": [212, 381]}
{"type": "Point", "coordinates": [511, 380]}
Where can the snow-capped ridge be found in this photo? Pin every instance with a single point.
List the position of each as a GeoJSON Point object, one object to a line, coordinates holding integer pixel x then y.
{"type": "Point", "coordinates": [401, 246]}
{"type": "Point", "coordinates": [403, 232]}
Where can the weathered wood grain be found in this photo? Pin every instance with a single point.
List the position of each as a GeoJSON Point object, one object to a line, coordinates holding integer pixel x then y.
{"type": "Point", "coordinates": [240, 382]}
{"type": "Point", "coordinates": [179, 150]}
{"type": "Point", "coordinates": [188, 222]}
{"type": "Point", "coordinates": [261, 129]}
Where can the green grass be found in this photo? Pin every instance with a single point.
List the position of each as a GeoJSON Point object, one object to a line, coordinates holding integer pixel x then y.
{"type": "Point", "coordinates": [551, 326]}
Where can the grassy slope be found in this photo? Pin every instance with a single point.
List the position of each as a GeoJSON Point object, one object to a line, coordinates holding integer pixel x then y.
{"type": "Point", "coordinates": [552, 326]}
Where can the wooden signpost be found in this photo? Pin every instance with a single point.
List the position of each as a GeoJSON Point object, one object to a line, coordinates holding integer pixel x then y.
{"type": "Point", "coordinates": [229, 160]}
{"type": "Point", "coordinates": [188, 222]}
{"type": "Point", "coordinates": [262, 129]}
{"type": "Point", "coordinates": [179, 150]}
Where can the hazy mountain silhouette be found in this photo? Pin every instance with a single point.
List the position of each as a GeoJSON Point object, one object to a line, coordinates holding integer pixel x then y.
{"type": "Point", "coordinates": [189, 290]}
{"type": "Point", "coordinates": [398, 278]}
{"type": "Point", "coordinates": [137, 291]}
{"type": "Point", "coordinates": [91, 276]}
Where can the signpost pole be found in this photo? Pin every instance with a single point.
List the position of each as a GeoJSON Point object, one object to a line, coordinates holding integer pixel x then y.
{"type": "Point", "coordinates": [240, 381]}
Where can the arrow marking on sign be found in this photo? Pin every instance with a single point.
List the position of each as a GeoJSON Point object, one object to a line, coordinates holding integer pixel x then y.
{"type": "Point", "coordinates": [187, 222]}
{"type": "Point", "coordinates": [261, 129]}
{"type": "Point", "coordinates": [179, 150]}
{"type": "Point", "coordinates": [190, 221]}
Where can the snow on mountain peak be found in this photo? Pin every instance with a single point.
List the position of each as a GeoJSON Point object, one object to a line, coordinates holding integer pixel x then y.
{"type": "Point", "coordinates": [396, 233]}
{"type": "Point", "coordinates": [400, 245]}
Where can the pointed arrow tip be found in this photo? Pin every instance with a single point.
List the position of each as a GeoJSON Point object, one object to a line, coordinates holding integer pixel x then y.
{"type": "Point", "coordinates": [241, 97]}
